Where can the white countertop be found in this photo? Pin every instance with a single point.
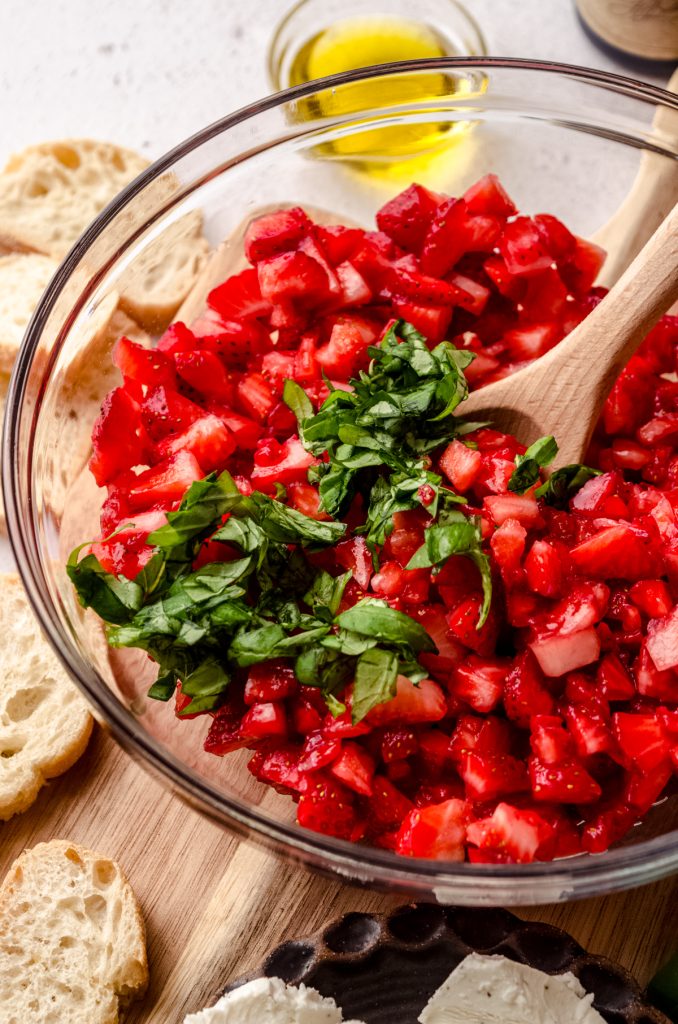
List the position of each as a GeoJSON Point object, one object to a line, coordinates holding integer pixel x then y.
{"type": "Point", "coordinates": [148, 73]}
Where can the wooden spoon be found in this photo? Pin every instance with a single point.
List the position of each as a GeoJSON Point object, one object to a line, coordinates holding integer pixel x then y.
{"type": "Point", "coordinates": [653, 193]}
{"type": "Point", "coordinates": [563, 392]}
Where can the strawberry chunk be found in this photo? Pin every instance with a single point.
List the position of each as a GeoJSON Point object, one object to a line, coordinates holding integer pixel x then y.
{"type": "Point", "coordinates": [511, 831]}
{"type": "Point", "coordinates": [423, 702]}
{"type": "Point", "coordinates": [488, 776]}
{"type": "Point", "coordinates": [437, 831]}
{"type": "Point", "coordinates": [273, 233]}
{"type": "Point", "coordinates": [567, 782]}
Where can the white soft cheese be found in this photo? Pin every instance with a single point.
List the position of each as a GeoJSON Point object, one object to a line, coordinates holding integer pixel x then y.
{"type": "Point", "coordinates": [270, 1001]}
{"type": "Point", "coordinates": [494, 990]}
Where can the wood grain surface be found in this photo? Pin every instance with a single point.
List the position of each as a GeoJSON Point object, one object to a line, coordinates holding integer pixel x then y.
{"type": "Point", "coordinates": [214, 906]}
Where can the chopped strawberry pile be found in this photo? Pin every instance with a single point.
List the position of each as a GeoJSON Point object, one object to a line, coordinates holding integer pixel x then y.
{"type": "Point", "coordinates": [546, 726]}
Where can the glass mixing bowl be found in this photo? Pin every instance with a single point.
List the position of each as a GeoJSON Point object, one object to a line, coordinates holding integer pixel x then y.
{"type": "Point", "coordinates": [563, 139]}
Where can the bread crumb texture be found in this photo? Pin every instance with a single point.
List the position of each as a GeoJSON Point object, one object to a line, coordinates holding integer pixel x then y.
{"type": "Point", "coordinates": [72, 938]}
{"type": "Point", "coordinates": [51, 192]}
{"type": "Point", "coordinates": [44, 722]}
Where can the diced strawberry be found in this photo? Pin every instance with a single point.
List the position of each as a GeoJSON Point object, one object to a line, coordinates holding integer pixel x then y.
{"type": "Point", "coordinates": [521, 245]}
{"type": "Point", "coordinates": [406, 280]}
{"type": "Point", "coordinates": [512, 831]}
{"type": "Point", "coordinates": [508, 547]}
{"type": "Point", "coordinates": [388, 806]}
{"type": "Point", "coordinates": [582, 266]}
{"type": "Point", "coordinates": [338, 241]}
{"type": "Point", "coordinates": [319, 750]}
{"type": "Point", "coordinates": [618, 551]}
{"type": "Point", "coordinates": [531, 340]}
{"type": "Point", "coordinates": [273, 233]}
{"type": "Point", "coordinates": [560, 654]}
{"type": "Point", "coordinates": [488, 776]}
{"type": "Point", "coordinates": [355, 768]}
{"type": "Point", "coordinates": [164, 411]}
{"type": "Point", "coordinates": [590, 500]}
{"type": "Point", "coordinates": [549, 740]}
{"type": "Point", "coordinates": [398, 743]}
{"type": "Point", "coordinates": [559, 241]}
{"type": "Point", "coordinates": [423, 702]}
{"type": "Point", "coordinates": [613, 681]}
{"type": "Point", "coordinates": [543, 569]}
{"type": "Point", "coordinates": [118, 438]}
{"type": "Point", "coordinates": [437, 832]}
{"type": "Point", "coordinates": [280, 463]}
{"type": "Point", "coordinates": [567, 782]}
{"type": "Point", "coordinates": [355, 290]}
{"type": "Point", "coordinates": [430, 320]}
{"type": "Point", "coordinates": [651, 681]}
{"type": "Point", "coordinates": [463, 622]}
{"type": "Point", "coordinates": [165, 483]}
{"type": "Point", "coordinates": [327, 806]}
{"type": "Point", "coordinates": [354, 554]}
{"type": "Point", "coordinates": [270, 681]}
{"type": "Point", "coordinates": [607, 826]}
{"type": "Point", "coordinates": [472, 296]}
{"type": "Point", "coordinates": [511, 286]}
{"type": "Point", "coordinates": [480, 682]}
{"type": "Point", "coordinates": [590, 730]}
{"type": "Point", "coordinates": [293, 276]}
{"type": "Point", "coordinates": [406, 218]}
{"type": "Point", "coordinates": [239, 298]}
{"type": "Point", "coordinates": [277, 767]}
{"type": "Point", "coordinates": [263, 721]}
{"type": "Point", "coordinates": [409, 585]}
{"type": "Point", "coordinates": [143, 365]}
{"type": "Point", "coordinates": [460, 464]}
{"type": "Point", "coordinates": [224, 733]}
{"type": "Point", "coordinates": [204, 372]}
{"type": "Point", "coordinates": [525, 691]}
{"type": "Point", "coordinates": [453, 232]}
{"type": "Point", "coordinates": [642, 738]}
{"type": "Point", "coordinates": [346, 351]}
{"type": "Point", "coordinates": [662, 640]}
{"type": "Point", "coordinates": [305, 498]}
{"type": "Point", "coordinates": [177, 338]}
{"type": "Point", "coordinates": [246, 432]}
{"type": "Point", "coordinates": [545, 299]}
{"type": "Point", "coordinates": [207, 439]}
{"type": "Point", "coordinates": [255, 397]}
{"type": "Point", "coordinates": [486, 736]}
{"type": "Point", "coordinates": [643, 789]}
{"type": "Point", "coordinates": [488, 196]}
{"type": "Point", "coordinates": [522, 507]}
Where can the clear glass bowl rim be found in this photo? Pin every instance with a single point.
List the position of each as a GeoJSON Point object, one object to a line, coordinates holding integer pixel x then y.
{"type": "Point", "coordinates": [527, 883]}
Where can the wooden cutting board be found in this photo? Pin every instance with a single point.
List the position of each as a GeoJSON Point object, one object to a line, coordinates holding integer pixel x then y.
{"type": "Point", "coordinates": [214, 905]}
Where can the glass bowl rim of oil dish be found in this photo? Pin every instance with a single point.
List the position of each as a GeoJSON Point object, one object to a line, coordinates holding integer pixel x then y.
{"type": "Point", "coordinates": [279, 62]}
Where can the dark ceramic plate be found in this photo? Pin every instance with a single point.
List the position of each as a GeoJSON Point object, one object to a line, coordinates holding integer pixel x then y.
{"type": "Point", "coordinates": [381, 968]}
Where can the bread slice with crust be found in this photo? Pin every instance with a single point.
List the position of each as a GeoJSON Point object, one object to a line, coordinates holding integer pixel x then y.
{"type": "Point", "coordinates": [72, 938]}
{"type": "Point", "coordinates": [44, 722]}
{"type": "Point", "coordinates": [51, 192]}
{"type": "Point", "coordinates": [163, 275]}
{"type": "Point", "coordinates": [23, 279]}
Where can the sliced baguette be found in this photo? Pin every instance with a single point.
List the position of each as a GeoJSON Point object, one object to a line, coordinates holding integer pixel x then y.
{"type": "Point", "coordinates": [163, 275]}
{"type": "Point", "coordinates": [23, 279]}
{"type": "Point", "coordinates": [50, 193]}
{"type": "Point", "coordinates": [44, 722]}
{"type": "Point", "coordinates": [4, 385]}
{"type": "Point", "coordinates": [72, 938]}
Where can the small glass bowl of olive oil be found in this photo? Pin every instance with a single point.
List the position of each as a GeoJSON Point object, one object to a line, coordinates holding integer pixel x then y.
{"type": "Point", "coordinates": [318, 38]}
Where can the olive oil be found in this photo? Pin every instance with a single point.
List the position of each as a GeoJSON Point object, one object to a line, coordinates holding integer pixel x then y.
{"type": "Point", "coordinates": [360, 42]}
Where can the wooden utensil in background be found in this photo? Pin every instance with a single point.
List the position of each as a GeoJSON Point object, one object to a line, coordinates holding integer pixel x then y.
{"type": "Point", "coordinates": [653, 193]}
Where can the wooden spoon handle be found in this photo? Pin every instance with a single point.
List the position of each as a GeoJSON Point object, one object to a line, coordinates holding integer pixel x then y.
{"type": "Point", "coordinates": [653, 193]}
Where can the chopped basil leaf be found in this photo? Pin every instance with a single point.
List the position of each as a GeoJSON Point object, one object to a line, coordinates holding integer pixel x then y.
{"type": "Point", "coordinates": [565, 483]}
{"type": "Point", "coordinates": [373, 618]}
{"type": "Point", "coordinates": [376, 676]}
{"type": "Point", "coordinates": [526, 474]}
